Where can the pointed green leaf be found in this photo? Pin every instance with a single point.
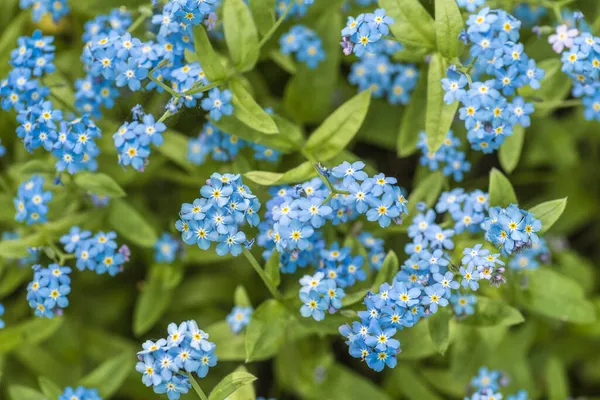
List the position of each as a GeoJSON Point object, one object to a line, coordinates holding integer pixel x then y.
{"type": "Point", "coordinates": [413, 119]}
{"type": "Point", "coordinates": [265, 332]}
{"type": "Point", "coordinates": [110, 375]}
{"type": "Point", "coordinates": [240, 297]}
{"type": "Point", "coordinates": [510, 151]}
{"type": "Point", "coordinates": [240, 34]}
{"type": "Point", "coordinates": [17, 248]}
{"type": "Point", "coordinates": [549, 212]}
{"type": "Point", "coordinates": [301, 173]}
{"type": "Point", "coordinates": [427, 191]}
{"type": "Point", "coordinates": [229, 346]}
{"type": "Point", "coordinates": [246, 392]}
{"type": "Point", "coordinates": [557, 381]}
{"type": "Point", "coordinates": [337, 131]}
{"type": "Point", "coordinates": [17, 392]}
{"type": "Point", "coordinates": [439, 329]}
{"type": "Point", "coordinates": [413, 25]}
{"type": "Point", "coordinates": [263, 12]}
{"type": "Point", "coordinates": [500, 190]}
{"type": "Point", "coordinates": [491, 312]}
{"type": "Point", "coordinates": [248, 111]}
{"type": "Point", "coordinates": [272, 268]}
{"type": "Point", "coordinates": [29, 332]}
{"type": "Point", "coordinates": [209, 59]}
{"type": "Point", "coordinates": [439, 115]}
{"type": "Point", "coordinates": [49, 388]}
{"type": "Point", "coordinates": [230, 384]}
{"type": "Point", "coordinates": [388, 270]}
{"type": "Point", "coordinates": [98, 183]}
{"type": "Point", "coordinates": [448, 25]}
{"type": "Point", "coordinates": [131, 224]}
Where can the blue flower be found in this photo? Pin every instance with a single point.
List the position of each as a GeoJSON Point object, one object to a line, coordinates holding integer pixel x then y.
{"type": "Point", "coordinates": [165, 248]}
{"type": "Point", "coordinates": [1, 314]}
{"type": "Point", "coordinates": [454, 85]}
{"type": "Point", "coordinates": [470, 278]}
{"type": "Point", "coordinates": [218, 103]}
{"type": "Point", "coordinates": [239, 318]}
{"type": "Point", "coordinates": [434, 297]}
{"type": "Point", "coordinates": [80, 393]}
{"type": "Point", "coordinates": [231, 243]}
{"type": "Point", "coordinates": [314, 305]}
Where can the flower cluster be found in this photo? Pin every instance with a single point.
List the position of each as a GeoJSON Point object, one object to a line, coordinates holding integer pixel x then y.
{"type": "Point", "coordinates": [56, 8]}
{"type": "Point", "coordinates": [511, 229]}
{"type": "Point", "coordinates": [375, 249]}
{"type": "Point", "coordinates": [133, 140]}
{"type": "Point", "coordinates": [226, 205]}
{"type": "Point", "coordinates": [468, 210]}
{"type": "Point", "coordinates": [239, 318]}
{"type": "Point", "coordinates": [470, 5]}
{"type": "Point", "coordinates": [305, 43]}
{"type": "Point", "coordinates": [383, 77]}
{"type": "Point", "coordinates": [224, 147]}
{"type": "Point", "coordinates": [47, 293]}
{"type": "Point", "coordinates": [487, 383]}
{"type": "Point", "coordinates": [448, 157]}
{"type": "Point", "coordinates": [31, 201]}
{"type": "Point", "coordinates": [163, 363]}
{"type": "Point", "coordinates": [319, 295]}
{"type": "Point", "coordinates": [361, 35]}
{"type": "Point", "coordinates": [165, 249]}
{"type": "Point", "coordinates": [489, 114]}
{"type": "Point", "coordinates": [297, 10]}
{"type": "Point", "coordinates": [338, 264]}
{"type": "Point", "coordinates": [80, 393]}
{"type": "Point", "coordinates": [1, 314]}
{"type": "Point", "coordinates": [97, 253]}
{"type": "Point", "coordinates": [581, 62]}
{"type": "Point", "coordinates": [530, 258]}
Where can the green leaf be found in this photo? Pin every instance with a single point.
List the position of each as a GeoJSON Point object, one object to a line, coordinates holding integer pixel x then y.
{"type": "Point", "coordinates": [240, 34]}
{"type": "Point", "coordinates": [439, 115]}
{"type": "Point", "coordinates": [245, 392]}
{"type": "Point", "coordinates": [272, 268]}
{"type": "Point", "coordinates": [266, 330]}
{"type": "Point", "coordinates": [549, 212]}
{"type": "Point", "coordinates": [448, 25]}
{"type": "Point", "coordinates": [301, 173]}
{"type": "Point", "coordinates": [175, 147]}
{"type": "Point", "coordinates": [500, 190]}
{"type": "Point", "coordinates": [209, 59]}
{"type": "Point", "coordinates": [555, 296]}
{"type": "Point", "coordinates": [337, 131]}
{"type": "Point", "coordinates": [131, 224]}
{"type": "Point", "coordinates": [36, 167]}
{"type": "Point", "coordinates": [155, 297]}
{"type": "Point", "coordinates": [416, 342]}
{"type": "Point", "coordinates": [557, 381]}
{"type": "Point", "coordinates": [427, 191]}
{"type": "Point", "coordinates": [30, 332]}
{"type": "Point", "coordinates": [8, 40]}
{"type": "Point", "coordinates": [230, 384]}
{"type": "Point", "coordinates": [413, 25]}
{"type": "Point", "coordinates": [18, 392]}
{"type": "Point", "coordinates": [98, 183]}
{"type": "Point", "coordinates": [510, 151]}
{"type": "Point", "coordinates": [388, 270]}
{"type": "Point", "coordinates": [49, 388]}
{"type": "Point", "coordinates": [406, 381]}
{"type": "Point", "coordinates": [240, 297]}
{"type": "Point", "coordinates": [413, 120]}
{"type": "Point", "coordinates": [263, 12]}
{"type": "Point", "coordinates": [490, 312]}
{"type": "Point", "coordinates": [229, 346]}
{"type": "Point", "coordinates": [555, 86]}
{"type": "Point", "coordinates": [110, 375]}
{"type": "Point", "coordinates": [248, 111]}
{"type": "Point", "coordinates": [439, 329]}
{"type": "Point", "coordinates": [17, 248]}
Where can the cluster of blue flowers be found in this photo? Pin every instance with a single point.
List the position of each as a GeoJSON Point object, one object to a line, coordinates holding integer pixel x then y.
{"type": "Point", "coordinates": [361, 35]}
{"type": "Point", "coordinates": [1, 314]}
{"type": "Point", "coordinates": [581, 62]}
{"type": "Point", "coordinates": [297, 10]}
{"type": "Point", "coordinates": [166, 248]}
{"type": "Point", "coordinates": [448, 157]}
{"type": "Point", "coordinates": [488, 112]}
{"type": "Point", "coordinates": [530, 14]}
{"type": "Point", "coordinates": [56, 8]}
{"type": "Point", "coordinates": [511, 229]}
{"type": "Point", "coordinates": [226, 205]}
{"type": "Point", "coordinates": [79, 393]}
{"type": "Point", "coordinates": [133, 139]}
{"type": "Point", "coordinates": [468, 210]}
{"type": "Point", "coordinates": [305, 43]}
{"type": "Point", "coordinates": [530, 258]}
{"type": "Point", "coordinates": [487, 383]}
{"type": "Point", "coordinates": [31, 202]}
{"type": "Point", "coordinates": [47, 293]}
{"type": "Point", "coordinates": [224, 147]}
{"type": "Point", "coordinates": [97, 253]}
{"type": "Point", "coordinates": [163, 363]}
{"type": "Point", "coordinates": [239, 318]}
{"type": "Point", "coordinates": [319, 295]}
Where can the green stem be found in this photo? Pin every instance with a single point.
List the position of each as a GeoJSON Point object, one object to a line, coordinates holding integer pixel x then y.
{"type": "Point", "coordinates": [137, 23]}
{"type": "Point", "coordinates": [274, 292]}
{"type": "Point", "coordinates": [197, 387]}
{"type": "Point", "coordinates": [276, 25]}
{"type": "Point", "coordinates": [203, 88]}
{"type": "Point", "coordinates": [325, 180]}
{"type": "Point", "coordinates": [159, 83]}
{"type": "Point", "coordinates": [166, 115]}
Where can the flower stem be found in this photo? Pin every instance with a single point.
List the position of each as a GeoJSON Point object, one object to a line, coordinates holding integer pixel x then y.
{"type": "Point", "coordinates": [274, 292]}
{"type": "Point", "coordinates": [276, 25]}
{"type": "Point", "coordinates": [197, 387]}
{"type": "Point", "coordinates": [203, 88]}
{"type": "Point", "coordinates": [159, 83]}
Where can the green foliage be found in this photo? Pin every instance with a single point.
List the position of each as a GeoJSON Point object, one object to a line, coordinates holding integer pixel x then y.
{"type": "Point", "coordinates": [439, 115]}
{"type": "Point", "coordinates": [240, 34]}
{"type": "Point", "coordinates": [266, 330]}
{"type": "Point", "coordinates": [500, 190]}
